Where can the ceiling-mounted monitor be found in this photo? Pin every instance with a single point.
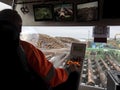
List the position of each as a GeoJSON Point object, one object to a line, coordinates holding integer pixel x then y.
{"type": "Point", "coordinates": [43, 12]}
{"type": "Point", "coordinates": [64, 12]}
{"type": "Point", "coordinates": [87, 11]}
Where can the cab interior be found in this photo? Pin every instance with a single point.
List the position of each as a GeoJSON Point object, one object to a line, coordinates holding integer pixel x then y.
{"type": "Point", "coordinates": [93, 23]}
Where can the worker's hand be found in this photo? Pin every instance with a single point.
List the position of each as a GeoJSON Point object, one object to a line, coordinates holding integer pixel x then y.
{"type": "Point", "coordinates": [72, 68]}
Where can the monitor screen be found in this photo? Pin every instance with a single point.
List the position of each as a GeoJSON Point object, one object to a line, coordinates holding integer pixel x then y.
{"type": "Point", "coordinates": [78, 50]}
{"type": "Point", "coordinates": [87, 11]}
{"type": "Point", "coordinates": [63, 12]}
{"type": "Point", "coordinates": [43, 12]}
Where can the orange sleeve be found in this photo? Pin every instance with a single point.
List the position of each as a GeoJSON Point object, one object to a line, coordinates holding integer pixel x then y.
{"type": "Point", "coordinates": [42, 66]}
{"type": "Point", "coordinates": [60, 77]}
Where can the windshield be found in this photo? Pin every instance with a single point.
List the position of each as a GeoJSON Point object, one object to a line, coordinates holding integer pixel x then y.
{"type": "Point", "coordinates": [55, 42]}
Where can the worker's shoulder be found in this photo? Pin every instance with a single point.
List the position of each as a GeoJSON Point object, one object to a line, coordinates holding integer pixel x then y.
{"type": "Point", "coordinates": [25, 43]}
{"type": "Point", "coordinates": [28, 46]}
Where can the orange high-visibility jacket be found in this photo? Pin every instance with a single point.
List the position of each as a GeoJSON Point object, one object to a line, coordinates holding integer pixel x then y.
{"type": "Point", "coordinates": [36, 59]}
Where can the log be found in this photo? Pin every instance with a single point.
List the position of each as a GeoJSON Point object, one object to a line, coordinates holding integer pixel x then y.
{"type": "Point", "coordinates": [102, 75]}
{"type": "Point", "coordinates": [113, 64]}
{"type": "Point", "coordinates": [106, 66]}
{"type": "Point", "coordinates": [90, 74]}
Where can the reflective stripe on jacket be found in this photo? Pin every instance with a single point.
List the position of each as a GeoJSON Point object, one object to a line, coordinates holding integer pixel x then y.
{"type": "Point", "coordinates": [36, 59]}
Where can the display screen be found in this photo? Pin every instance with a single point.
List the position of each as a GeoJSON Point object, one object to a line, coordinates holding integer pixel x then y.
{"type": "Point", "coordinates": [79, 49]}
{"type": "Point", "coordinates": [63, 12]}
{"type": "Point", "coordinates": [87, 11]}
{"type": "Point", "coordinates": [43, 12]}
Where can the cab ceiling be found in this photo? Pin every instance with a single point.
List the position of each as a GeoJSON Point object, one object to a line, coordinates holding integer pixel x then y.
{"type": "Point", "coordinates": [9, 2]}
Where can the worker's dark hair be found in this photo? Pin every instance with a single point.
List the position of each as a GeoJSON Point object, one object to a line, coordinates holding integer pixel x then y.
{"type": "Point", "coordinates": [12, 17]}
{"type": "Point", "coordinates": [10, 27]}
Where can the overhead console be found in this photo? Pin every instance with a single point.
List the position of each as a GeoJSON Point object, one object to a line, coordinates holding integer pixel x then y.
{"type": "Point", "coordinates": [67, 13]}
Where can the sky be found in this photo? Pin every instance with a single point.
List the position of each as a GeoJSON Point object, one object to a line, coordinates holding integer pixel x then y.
{"type": "Point", "coordinates": [77, 32]}
{"type": "Point", "coordinates": [64, 31]}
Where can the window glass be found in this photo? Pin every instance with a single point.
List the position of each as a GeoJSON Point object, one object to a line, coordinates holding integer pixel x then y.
{"type": "Point", "coordinates": [55, 42]}
{"type": "Point", "coordinates": [4, 6]}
